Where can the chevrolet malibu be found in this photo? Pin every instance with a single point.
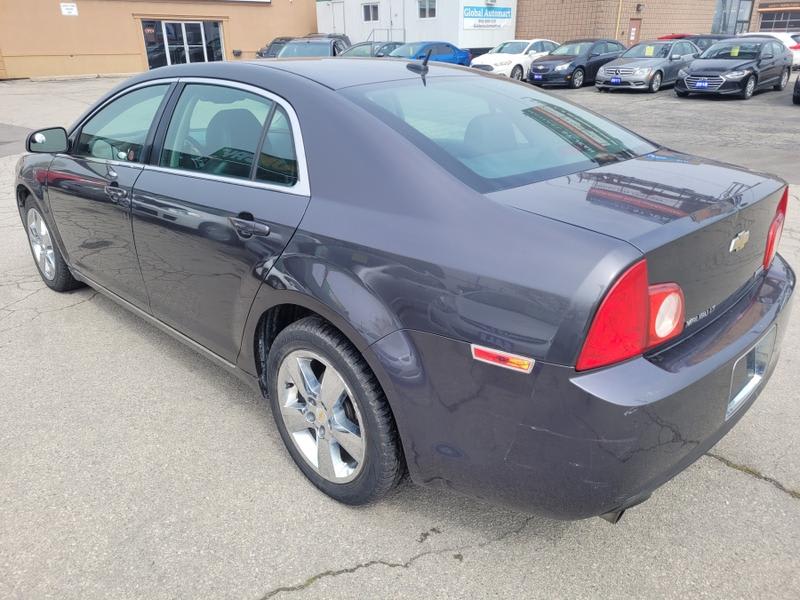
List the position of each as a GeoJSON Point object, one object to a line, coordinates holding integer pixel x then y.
{"type": "Point", "coordinates": [490, 288]}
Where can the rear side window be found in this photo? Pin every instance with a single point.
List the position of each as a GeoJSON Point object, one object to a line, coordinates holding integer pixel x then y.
{"type": "Point", "coordinates": [119, 130]}
{"type": "Point", "coordinates": [277, 160]}
{"type": "Point", "coordinates": [215, 130]}
{"type": "Point", "coordinates": [493, 134]}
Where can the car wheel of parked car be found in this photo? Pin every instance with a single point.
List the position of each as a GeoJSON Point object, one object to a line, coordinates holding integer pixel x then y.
{"type": "Point", "coordinates": [516, 73]}
{"type": "Point", "coordinates": [332, 414]}
{"type": "Point", "coordinates": [749, 88]}
{"type": "Point", "coordinates": [655, 83]}
{"type": "Point", "coordinates": [681, 94]}
{"type": "Point", "coordinates": [781, 85]}
{"type": "Point", "coordinates": [54, 271]}
{"type": "Point", "coordinates": [577, 78]}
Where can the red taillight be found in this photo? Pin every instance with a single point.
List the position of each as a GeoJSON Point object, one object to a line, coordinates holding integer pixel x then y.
{"type": "Point", "coordinates": [633, 317]}
{"type": "Point", "coordinates": [795, 47]}
{"type": "Point", "coordinates": [775, 230]}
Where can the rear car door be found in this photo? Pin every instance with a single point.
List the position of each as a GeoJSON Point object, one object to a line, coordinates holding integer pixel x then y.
{"type": "Point", "coordinates": [89, 189]}
{"type": "Point", "coordinates": [217, 206]}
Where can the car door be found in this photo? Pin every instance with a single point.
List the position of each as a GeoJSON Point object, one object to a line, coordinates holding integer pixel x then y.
{"type": "Point", "coordinates": [225, 190]}
{"type": "Point", "coordinates": [444, 53]}
{"type": "Point", "coordinates": [598, 56]}
{"type": "Point", "coordinates": [89, 189]}
{"type": "Point", "coordinates": [770, 63]}
{"type": "Point", "coordinates": [674, 63]}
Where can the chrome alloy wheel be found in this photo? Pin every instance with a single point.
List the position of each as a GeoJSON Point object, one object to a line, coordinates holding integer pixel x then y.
{"type": "Point", "coordinates": [41, 244]}
{"type": "Point", "coordinates": [785, 78]}
{"type": "Point", "coordinates": [320, 415]}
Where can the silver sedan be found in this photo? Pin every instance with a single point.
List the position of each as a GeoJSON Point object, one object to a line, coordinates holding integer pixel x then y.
{"type": "Point", "coordinates": [647, 66]}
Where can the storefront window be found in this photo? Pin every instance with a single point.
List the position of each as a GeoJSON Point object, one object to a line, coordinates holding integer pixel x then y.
{"type": "Point", "coordinates": [732, 16]}
{"type": "Point", "coordinates": [781, 21]}
{"type": "Point", "coordinates": [177, 42]}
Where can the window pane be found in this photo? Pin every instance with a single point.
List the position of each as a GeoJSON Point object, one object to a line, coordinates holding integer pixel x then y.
{"type": "Point", "coordinates": [277, 162]}
{"type": "Point", "coordinates": [215, 130]}
{"type": "Point", "coordinates": [119, 130]}
{"type": "Point", "coordinates": [366, 12]}
{"type": "Point", "coordinates": [174, 33]}
{"type": "Point", "coordinates": [154, 44]}
{"type": "Point", "coordinates": [196, 54]}
{"type": "Point", "coordinates": [213, 40]}
{"type": "Point", "coordinates": [194, 37]}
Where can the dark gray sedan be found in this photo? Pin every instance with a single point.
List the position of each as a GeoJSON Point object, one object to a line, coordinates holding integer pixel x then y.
{"type": "Point", "coordinates": [647, 66]}
{"type": "Point", "coordinates": [498, 291]}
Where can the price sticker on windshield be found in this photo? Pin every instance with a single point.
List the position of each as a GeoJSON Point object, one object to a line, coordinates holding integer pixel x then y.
{"type": "Point", "coordinates": [649, 50]}
{"type": "Point", "coordinates": [735, 51]}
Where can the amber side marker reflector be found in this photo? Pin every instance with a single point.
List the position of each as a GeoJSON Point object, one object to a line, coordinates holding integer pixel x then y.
{"type": "Point", "coordinates": [515, 362]}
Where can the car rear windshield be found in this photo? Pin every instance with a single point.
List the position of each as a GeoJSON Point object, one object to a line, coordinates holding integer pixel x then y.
{"type": "Point", "coordinates": [733, 51]}
{"type": "Point", "coordinates": [509, 48]}
{"type": "Point", "coordinates": [494, 134]}
{"type": "Point", "coordinates": [572, 49]}
{"type": "Point", "coordinates": [305, 49]}
{"type": "Point", "coordinates": [651, 50]}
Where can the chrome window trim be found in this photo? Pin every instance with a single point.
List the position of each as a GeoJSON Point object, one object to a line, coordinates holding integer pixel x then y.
{"type": "Point", "coordinates": [301, 188]}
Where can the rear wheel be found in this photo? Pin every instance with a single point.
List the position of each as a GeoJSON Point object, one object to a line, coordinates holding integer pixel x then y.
{"type": "Point", "coordinates": [516, 73]}
{"type": "Point", "coordinates": [332, 414]}
{"type": "Point", "coordinates": [578, 77]}
{"type": "Point", "coordinates": [655, 83]}
{"type": "Point", "coordinates": [52, 268]}
{"type": "Point", "coordinates": [784, 81]}
{"type": "Point", "coordinates": [749, 88]}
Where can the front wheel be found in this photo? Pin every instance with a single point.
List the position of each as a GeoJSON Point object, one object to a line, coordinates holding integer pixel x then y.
{"type": "Point", "coordinates": [784, 81]}
{"type": "Point", "coordinates": [655, 83]}
{"type": "Point", "coordinates": [749, 88]}
{"type": "Point", "coordinates": [681, 94]}
{"type": "Point", "coordinates": [516, 73]}
{"type": "Point", "coordinates": [332, 414]}
{"type": "Point", "coordinates": [51, 265]}
{"type": "Point", "coordinates": [578, 77]}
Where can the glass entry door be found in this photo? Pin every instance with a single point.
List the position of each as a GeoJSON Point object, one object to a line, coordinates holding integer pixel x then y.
{"type": "Point", "coordinates": [186, 42]}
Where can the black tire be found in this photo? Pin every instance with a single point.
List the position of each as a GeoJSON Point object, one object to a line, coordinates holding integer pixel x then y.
{"type": "Point", "coordinates": [783, 81]}
{"type": "Point", "coordinates": [577, 80]}
{"type": "Point", "coordinates": [62, 280]}
{"type": "Point", "coordinates": [383, 465]}
{"type": "Point", "coordinates": [655, 82]}
{"type": "Point", "coordinates": [517, 73]}
{"type": "Point", "coordinates": [796, 99]}
{"type": "Point", "coordinates": [681, 94]}
{"type": "Point", "coordinates": [748, 90]}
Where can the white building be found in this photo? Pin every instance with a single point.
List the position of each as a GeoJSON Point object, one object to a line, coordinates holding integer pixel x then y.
{"type": "Point", "coordinates": [469, 24]}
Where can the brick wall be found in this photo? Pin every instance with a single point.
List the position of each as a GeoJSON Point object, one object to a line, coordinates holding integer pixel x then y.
{"type": "Point", "coordinates": [569, 19]}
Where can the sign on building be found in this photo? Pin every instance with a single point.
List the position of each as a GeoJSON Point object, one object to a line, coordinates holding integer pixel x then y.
{"type": "Point", "coordinates": [69, 9]}
{"type": "Point", "coordinates": [487, 17]}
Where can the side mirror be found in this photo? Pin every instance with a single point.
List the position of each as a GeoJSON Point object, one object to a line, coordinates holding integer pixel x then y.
{"type": "Point", "coordinates": [594, 55]}
{"type": "Point", "coordinates": [696, 54]}
{"type": "Point", "coordinates": [52, 140]}
{"type": "Point", "coordinates": [676, 57]}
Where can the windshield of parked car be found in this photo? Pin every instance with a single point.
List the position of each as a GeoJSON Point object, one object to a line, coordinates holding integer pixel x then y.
{"type": "Point", "coordinates": [572, 49]}
{"type": "Point", "coordinates": [274, 48]}
{"type": "Point", "coordinates": [305, 49]}
{"type": "Point", "coordinates": [649, 50]}
{"type": "Point", "coordinates": [733, 50]}
{"type": "Point", "coordinates": [509, 48]}
{"type": "Point", "coordinates": [387, 48]}
{"type": "Point", "coordinates": [703, 43]}
{"type": "Point", "coordinates": [494, 134]}
{"type": "Point", "coordinates": [407, 50]}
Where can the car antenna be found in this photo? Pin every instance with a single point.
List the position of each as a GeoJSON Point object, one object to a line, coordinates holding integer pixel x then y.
{"type": "Point", "coordinates": [421, 68]}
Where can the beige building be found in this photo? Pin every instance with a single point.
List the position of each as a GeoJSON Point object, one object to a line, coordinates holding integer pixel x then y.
{"type": "Point", "coordinates": [51, 37]}
{"type": "Point", "coordinates": [624, 20]}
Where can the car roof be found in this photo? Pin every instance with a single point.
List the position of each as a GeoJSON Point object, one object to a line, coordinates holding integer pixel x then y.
{"type": "Point", "coordinates": [585, 40]}
{"type": "Point", "coordinates": [314, 40]}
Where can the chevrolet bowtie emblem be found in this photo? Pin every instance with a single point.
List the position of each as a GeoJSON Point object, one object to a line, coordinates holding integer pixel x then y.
{"type": "Point", "coordinates": [740, 241]}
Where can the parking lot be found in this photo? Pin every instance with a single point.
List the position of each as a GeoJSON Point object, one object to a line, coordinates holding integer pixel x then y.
{"type": "Point", "coordinates": [131, 467]}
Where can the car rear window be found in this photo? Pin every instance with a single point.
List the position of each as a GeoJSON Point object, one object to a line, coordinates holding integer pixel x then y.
{"type": "Point", "coordinates": [495, 134]}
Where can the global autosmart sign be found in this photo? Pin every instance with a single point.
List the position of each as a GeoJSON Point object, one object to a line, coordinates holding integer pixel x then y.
{"type": "Point", "coordinates": [487, 17]}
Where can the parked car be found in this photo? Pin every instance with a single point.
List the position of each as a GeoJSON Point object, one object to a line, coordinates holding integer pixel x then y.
{"type": "Point", "coordinates": [514, 57]}
{"type": "Point", "coordinates": [701, 40]}
{"type": "Point", "coordinates": [796, 94]}
{"type": "Point", "coordinates": [737, 66]}
{"type": "Point", "coordinates": [440, 52]}
{"type": "Point", "coordinates": [367, 49]}
{"type": "Point", "coordinates": [515, 296]}
{"type": "Point", "coordinates": [790, 40]}
{"type": "Point", "coordinates": [574, 63]}
{"type": "Point", "coordinates": [333, 36]}
{"type": "Point", "coordinates": [647, 66]}
{"type": "Point", "coordinates": [272, 49]}
{"type": "Point", "coordinates": [318, 46]}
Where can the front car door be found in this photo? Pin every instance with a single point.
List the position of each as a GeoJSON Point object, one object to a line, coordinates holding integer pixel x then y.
{"type": "Point", "coordinates": [770, 64]}
{"type": "Point", "coordinates": [225, 190]}
{"type": "Point", "coordinates": [597, 58]}
{"type": "Point", "coordinates": [89, 189]}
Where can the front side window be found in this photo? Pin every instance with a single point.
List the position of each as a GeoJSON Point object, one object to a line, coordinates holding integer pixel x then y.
{"type": "Point", "coordinates": [427, 9]}
{"type": "Point", "coordinates": [492, 134]}
{"type": "Point", "coordinates": [215, 130]}
{"type": "Point", "coordinates": [277, 160]}
{"type": "Point", "coordinates": [119, 130]}
{"type": "Point", "coordinates": [370, 12]}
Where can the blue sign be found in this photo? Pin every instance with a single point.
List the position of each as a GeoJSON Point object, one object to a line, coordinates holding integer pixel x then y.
{"type": "Point", "coordinates": [487, 12]}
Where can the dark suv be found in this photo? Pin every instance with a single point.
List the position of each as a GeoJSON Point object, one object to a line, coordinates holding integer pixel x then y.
{"type": "Point", "coordinates": [574, 63]}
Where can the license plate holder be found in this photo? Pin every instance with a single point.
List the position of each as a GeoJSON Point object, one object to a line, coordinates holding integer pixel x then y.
{"type": "Point", "coordinates": [616, 80]}
{"type": "Point", "coordinates": [749, 370]}
{"type": "Point", "coordinates": [702, 84]}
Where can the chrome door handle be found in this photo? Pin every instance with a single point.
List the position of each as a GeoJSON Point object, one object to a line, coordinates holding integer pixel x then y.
{"type": "Point", "coordinates": [246, 228]}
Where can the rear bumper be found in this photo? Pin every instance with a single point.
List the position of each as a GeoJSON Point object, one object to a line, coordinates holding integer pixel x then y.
{"type": "Point", "coordinates": [574, 445]}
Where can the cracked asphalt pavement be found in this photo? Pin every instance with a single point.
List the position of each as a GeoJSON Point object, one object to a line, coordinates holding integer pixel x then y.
{"type": "Point", "coordinates": [131, 467]}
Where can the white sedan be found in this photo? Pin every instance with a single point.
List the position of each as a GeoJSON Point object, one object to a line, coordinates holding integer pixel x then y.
{"type": "Point", "coordinates": [790, 40]}
{"type": "Point", "coordinates": [514, 57]}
